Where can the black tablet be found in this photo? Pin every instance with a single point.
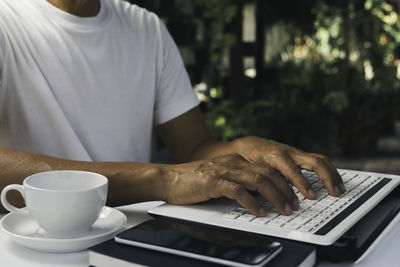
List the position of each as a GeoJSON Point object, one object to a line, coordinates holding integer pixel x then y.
{"type": "Point", "coordinates": [218, 245]}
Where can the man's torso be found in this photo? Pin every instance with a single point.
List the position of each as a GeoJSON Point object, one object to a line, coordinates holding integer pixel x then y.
{"type": "Point", "coordinates": [78, 88]}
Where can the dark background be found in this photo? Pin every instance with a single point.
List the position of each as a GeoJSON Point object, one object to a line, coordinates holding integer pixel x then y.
{"type": "Point", "coordinates": [319, 75]}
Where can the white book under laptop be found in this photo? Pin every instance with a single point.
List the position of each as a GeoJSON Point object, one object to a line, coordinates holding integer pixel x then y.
{"type": "Point", "coordinates": [321, 221]}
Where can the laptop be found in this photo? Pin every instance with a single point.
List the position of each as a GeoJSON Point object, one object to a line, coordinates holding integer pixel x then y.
{"type": "Point", "coordinates": [321, 221]}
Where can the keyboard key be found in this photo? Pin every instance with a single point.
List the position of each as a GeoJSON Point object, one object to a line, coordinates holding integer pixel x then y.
{"type": "Point", "coordinates": [231, 215]}
{"type": "Point", "coordinates": [307, 203]}
{"type": "Point", "coordinates": [326, 202]}
{"type": "Point", "coordinates": [306, 228]}
{"type": "Point", "coordinates": [283, 218]}
{"type": "Point", "coordinates": [275, 223]}
{"type": "Point", "coordinates": [332, 209]}
{"type": "Point", "coordinates": [292, 226]}
{"type": "Point", "coordinates": [246, 218]}
{"type": "Point", "coordinates": [301, 219]}
{"type": "Point", "coordinates": [261, 220]}
{"type": "Point", "coordinates": [297, 212]}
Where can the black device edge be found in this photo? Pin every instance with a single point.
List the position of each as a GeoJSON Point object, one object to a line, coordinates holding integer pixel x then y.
{"type": "Point", "coordinates": [345, 248]}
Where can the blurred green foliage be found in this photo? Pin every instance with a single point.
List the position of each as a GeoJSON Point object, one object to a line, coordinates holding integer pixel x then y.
{"type": "Point", "coordinates": [329, 82]}
{"type": "Point", "coordinates": [334, 86]}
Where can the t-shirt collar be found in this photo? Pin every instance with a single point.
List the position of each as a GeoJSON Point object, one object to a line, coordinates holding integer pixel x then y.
{"type": "Point", "coordinates": [70, 20]}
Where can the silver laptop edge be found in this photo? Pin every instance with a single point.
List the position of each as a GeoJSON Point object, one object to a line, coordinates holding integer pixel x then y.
{"type": "Point", "coordinates": [210, 213]}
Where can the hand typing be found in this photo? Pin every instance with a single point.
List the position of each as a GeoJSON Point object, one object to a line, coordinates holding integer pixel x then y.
{"type": "Point", "coordinates": [261, 166]}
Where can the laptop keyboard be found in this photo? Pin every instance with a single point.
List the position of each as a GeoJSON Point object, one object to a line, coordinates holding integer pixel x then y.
{"type": "Point", "coordinates": [317, 216]}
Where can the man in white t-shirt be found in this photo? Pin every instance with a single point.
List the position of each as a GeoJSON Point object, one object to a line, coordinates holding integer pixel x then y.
{"type": "Point", "coordinates": [83, 84]}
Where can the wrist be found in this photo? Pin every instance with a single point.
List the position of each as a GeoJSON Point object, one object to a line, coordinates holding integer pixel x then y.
{"type": "Point", "coordinates": [156, 182]}
{"type": "Point", "coordinates": [163, 181]}
{"type": "Point", "coordinates": [135, 182]}
{"type": "Point", "coordinates": [174, 180]}
{"type": "Point", "coordinates": [246, 146]}
{"type": "Point", "coordinates": [241, 145]}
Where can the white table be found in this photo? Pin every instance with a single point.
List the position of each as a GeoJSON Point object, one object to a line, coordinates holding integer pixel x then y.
{"type": "Point", "coordinates": [11, 254]}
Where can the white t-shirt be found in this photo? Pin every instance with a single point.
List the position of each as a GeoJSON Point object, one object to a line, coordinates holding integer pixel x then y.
{"type": "Point", "coordinates": [87, 88]}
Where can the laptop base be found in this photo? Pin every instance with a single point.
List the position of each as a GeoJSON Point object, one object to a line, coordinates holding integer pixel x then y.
{"type": "Point", "coordinates": [356, 241]}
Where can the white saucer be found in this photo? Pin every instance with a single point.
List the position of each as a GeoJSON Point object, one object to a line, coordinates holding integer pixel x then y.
{"type": "Point", "coordinates": [24, 230]}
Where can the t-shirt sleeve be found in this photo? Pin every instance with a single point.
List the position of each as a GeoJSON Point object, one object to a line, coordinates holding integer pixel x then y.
{"type": "Point", "coordinates": [174, 95]}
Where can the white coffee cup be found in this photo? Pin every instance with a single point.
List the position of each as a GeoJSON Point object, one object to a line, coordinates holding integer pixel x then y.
{"type": "Point", "coordinates": [63, 203]}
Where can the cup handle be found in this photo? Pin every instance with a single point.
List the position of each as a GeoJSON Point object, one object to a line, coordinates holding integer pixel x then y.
{"type": "Point", "coordinates": [4, 201]}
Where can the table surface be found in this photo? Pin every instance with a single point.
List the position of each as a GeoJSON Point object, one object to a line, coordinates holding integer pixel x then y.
{"type": "Point", "coordinates": [11, 254]}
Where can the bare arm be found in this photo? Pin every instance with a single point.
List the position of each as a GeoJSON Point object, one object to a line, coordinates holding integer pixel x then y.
{"type": "Point", "coordinates": [129, 182]}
